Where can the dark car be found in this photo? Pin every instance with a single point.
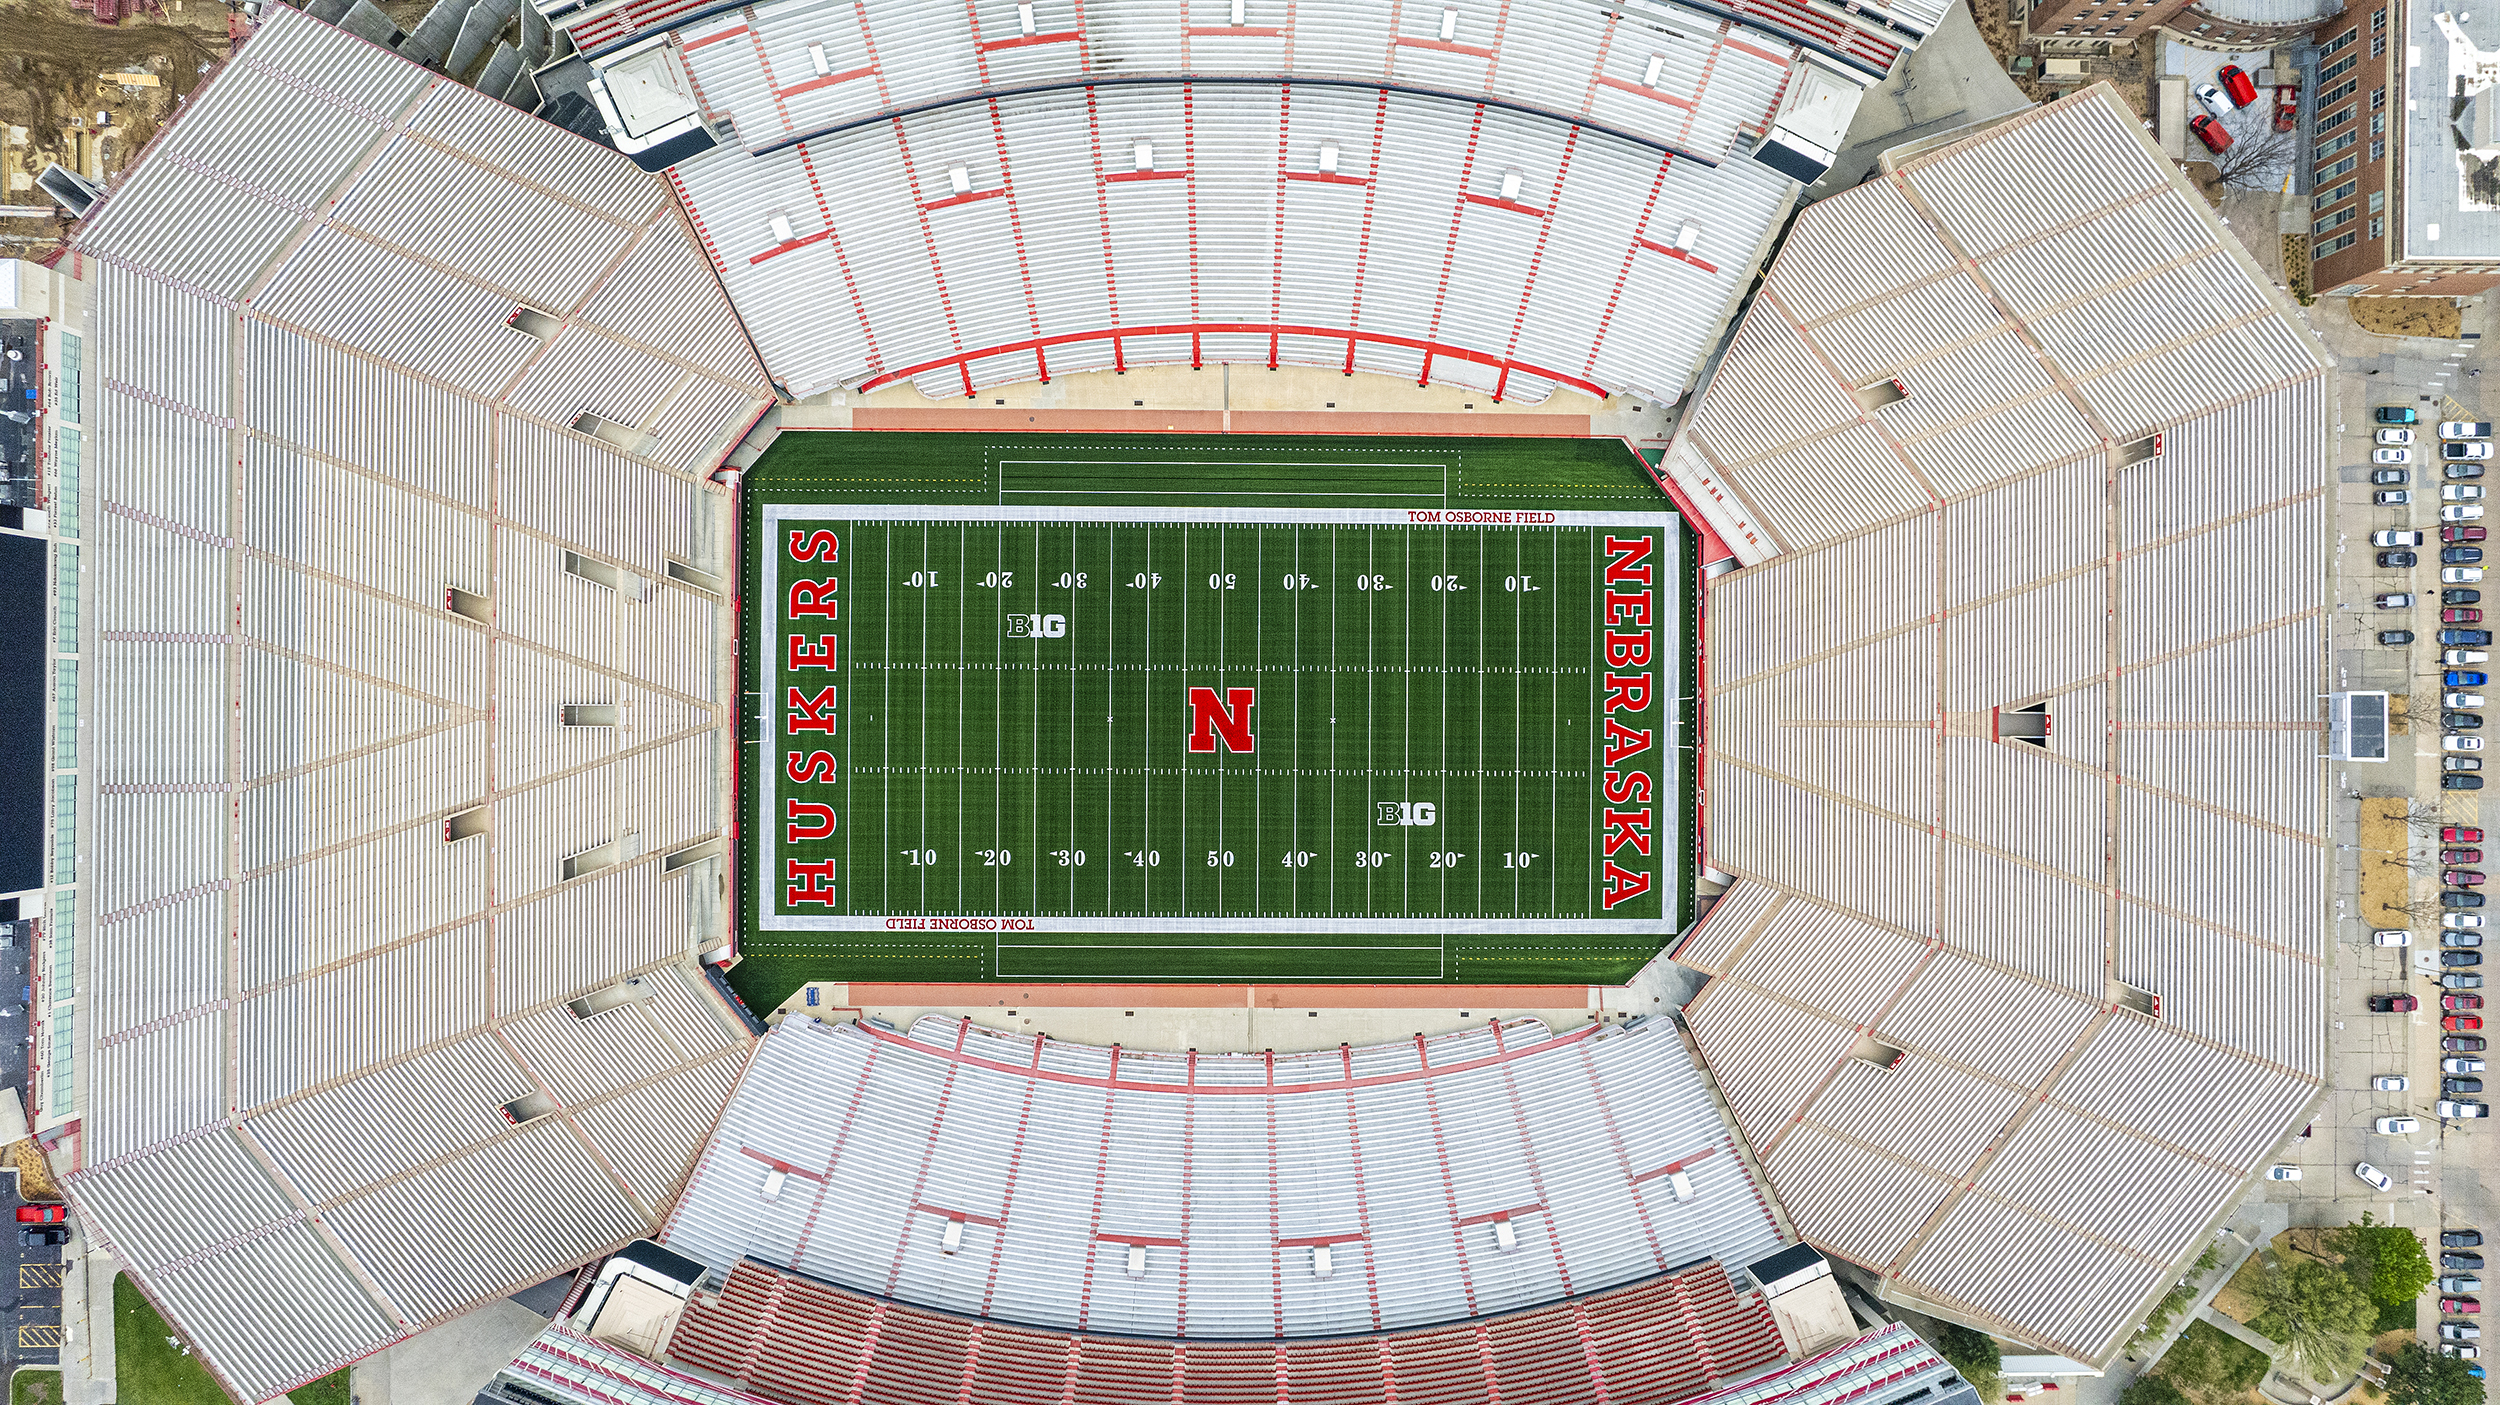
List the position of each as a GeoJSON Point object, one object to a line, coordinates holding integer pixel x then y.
{"type": "Point", "coordinates": [2461, 721]}
{"type": "Point", "coordinates": [2397, 558]}
{"type": "Point", "coordinates": [2396, 414]}
{"type": "Point", "coordinates": [2460, 1239]}
{"type": "Point", "coordinates": [2447, 856]}
{"type": "Point", "coordinates": [2460, 1261]}
{"type": "Point", "coordinates": [2453, 1086]}
{"type": "Point", "coordinates": [2453, 781]}
{"type": "Point", "coordinates": [2453, 899]}
{"type": "Point", "coordinates": [2461, 595]}
{"type": "Point", "coordinates": [2462, 1044]}
{"type": "Point", "coordinates": [2460, 556]}
{"type": "Point", "coordinates": [44, 1214]}
{"type": "Point", "coordinates": [2394, 1004]}
{"type": "Point", "coordinates": [2460, 958]}
{"type": "Point", "coordinates": [2395, 636]}
{"type": "Point", "coordinates": [2391, 477]}
{"type": "Point", "coordinates": [2454, 1003]}
{"type": "Point", "coordinates": [33, 1235]}
{"type": "Point", "coordinates": [2454, 533]}
{"type": "Point", "coordinates": [2465, 470]}
{"type": "Point", "coordinates": [2465, 636]}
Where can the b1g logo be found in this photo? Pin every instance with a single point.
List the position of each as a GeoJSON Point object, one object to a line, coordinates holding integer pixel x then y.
{"type": "Point", "coordinates": [1419, 815]}
{"type": "Point", "coordinates": [1037, 626]}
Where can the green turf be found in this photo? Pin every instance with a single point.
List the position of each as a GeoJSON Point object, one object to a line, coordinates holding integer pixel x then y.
{"type": "Point", "coordinates": [35, 1386]}
{"type": "Point", "coordinates": [985, 776]}
{"type": "Point", "coordinates": [150, 1367]}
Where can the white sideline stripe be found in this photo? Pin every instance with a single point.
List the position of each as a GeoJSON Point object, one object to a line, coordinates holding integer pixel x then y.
{"type": "Point", "coordinates": [1312, 925]}
{"type": "Point", "coordinates": [1493, 518]}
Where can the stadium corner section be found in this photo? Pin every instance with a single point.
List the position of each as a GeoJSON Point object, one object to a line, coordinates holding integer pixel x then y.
{"type": "Point", "coordinates": [1496, 516]}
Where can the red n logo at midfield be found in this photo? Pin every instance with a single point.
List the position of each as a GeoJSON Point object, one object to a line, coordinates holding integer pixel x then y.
{"type": "Point", "coordinates": [1228, 717]}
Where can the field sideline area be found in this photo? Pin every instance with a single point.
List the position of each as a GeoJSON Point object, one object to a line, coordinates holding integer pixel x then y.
{"type": "Point", "coordinates": [1210, 708]}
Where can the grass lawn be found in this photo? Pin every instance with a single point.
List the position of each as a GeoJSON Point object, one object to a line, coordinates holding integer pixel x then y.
{"type": "Point", "coordinates": [2212, 1365]}
{"type": "Point", "coordinates": [33, 1387]}
{"type": "Point", "coordinates": [149, 1366]}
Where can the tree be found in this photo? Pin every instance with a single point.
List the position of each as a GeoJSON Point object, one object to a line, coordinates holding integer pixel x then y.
{"type": "Point", "coordinates": [2259, 158]}
{"type": "Point", "coordinates": [2153, 1390]}
{"type": "Point", "coordinates": [1975, 1355]}
{"type": "Point", "coordinates": [2386, 1261]}
{"type": "Point", "coordinates": [2321, 1318]}
{"type": "Point", "coordinates": [2420, 1376]}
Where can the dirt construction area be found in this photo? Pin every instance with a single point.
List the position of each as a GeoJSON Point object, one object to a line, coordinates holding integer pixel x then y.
{"type": "Point", "coordinates": [89, 95]}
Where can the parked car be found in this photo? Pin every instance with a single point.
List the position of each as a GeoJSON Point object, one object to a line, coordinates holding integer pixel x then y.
{"type": "Point", "coordinates": [42, 1214]}
{"type": "Point", "coordinates": [2390, 1083]}
{"type": "Point", "coordinates": [2460, 1283]}
{"type": "Point", "coordinates": [2395, 636]}
{"type": "Point", "coordinates": [2455, 1003]}
{"type": "Point", "coordinates": [2460, 1239]}
{"type": "Point", "coordinates": [2465, 429]}
{"type": "Point", "coordinates": [2393, 599]}
{"type": "Point", "coordinates": [2458, 656]}
{"type": "Point", "coordinates": [2461, 700]}
{"type": "Point", "coordinates": [2460, 556]}
{"type": "Point", "coordinates": [2461, 1024]}
{"type": "Point", "coordinates": [2460, 1305]}
{"type": "Point", "coordinates": [2215, 100]}
{"type": "Point", "coordinates": [2236, 85]}
{"type": "Point", "coordinates": [2459, 1332]}
{"type": "Point", "coordinates": [2213, 134]}
{"type": "Point", "coordinates": [2460, 834]}
{"type": "Point", "coordinates": [2391, 497]}
{"type": "Point", "coordinates": [2461, 921]}
{"type": "Point", "coordinates": [2452, 1087]}
{"type": "Point", "coordinates": [2458, 763]}
{"type": "Point", "coordinates": [2396, 414]}
{"type": "Point", "coordinates": [2392, 477]}
{"type": "Point", "coordinates": [2461, 492]}
{"type": "Point", "coordinates": [2460, 980]}
{"type": "Point", "coordinates": [2395, 536]}
{"type": "Point", "coordinates": [2460, 782]}
{"type": "Point", "coordinates": [2461, 575]}
{"type": "Point", "coordinates": [2462, 1110]}
{"type": "Point", "coordinates": [2447, 856]}
{"type": "Point", "coordinates": [2391, 936]}
{"type": "Point", "coordinates": [2467, 1261]}
{"type": "Point", "coordinates": [2460, 471]}
{"type": "Point", "coordinates": [2394, 1004]}
{"type": "Point", "coordinates": [2462, 877]}
{"type": "Point", "coordinates": [2461, 512]}
{"type": "Point", "coordinates": [2378, 1180]}
{"type": "Point", "coordinates": [2463, 534]}
{"type": "Point", "coordinates": [2465, 450]}
{"type": "Point", "coordinates": [2465, 636]}
{"type": "Point", "coordinates": [2282, 1173]}
{"type": "Point", "coordinates": [2461, 939]}
{"type": "Point", "coordinates": [2460, 721]}
{"type": "Point", "coordinates": [2461, 1064]}
{"type": "Point", "coordinates": [2452, 959]}
{"type": "Point", "coordinates": [2286, 107]}
{"type": "Point", "coordinates": [2397, 1126]}
{"type": "Point", "coordinates": [2393, 435]}
{"type": "Point", "coordinates": [2466, 679]}
{"type": "Point", "coordinates": [2461, 1044]}
{"type": "Point", "coordinates": [33, 1236]}
{"type": "Point", "coordinates": [2397, 558]}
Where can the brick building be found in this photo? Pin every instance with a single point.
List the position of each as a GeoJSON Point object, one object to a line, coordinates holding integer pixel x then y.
{"type": "Point", "coordinates": [2390, 212]}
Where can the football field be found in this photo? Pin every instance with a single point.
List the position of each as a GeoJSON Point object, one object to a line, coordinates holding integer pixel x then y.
{"type": "Point", "coordinates": [1172, 735]}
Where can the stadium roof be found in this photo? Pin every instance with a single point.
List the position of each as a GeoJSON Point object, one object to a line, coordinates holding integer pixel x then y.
{"type": "Point", "coordinates": [1192, 1195]}
{"type": "Point", "coordinates": [2014, 730]}
{"type": "Point", "coordinates": [348, 557]}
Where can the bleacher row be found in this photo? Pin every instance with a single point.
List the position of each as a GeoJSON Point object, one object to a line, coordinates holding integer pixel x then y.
{"type": "Point", "coordinates": [1032, 235]}
{"type": "Point", "coordinates": [804, 1342]}
{"type": "Point", "coordinates": [1194, 32]}
{"type": "Point", "coordinates": [1674, 76]}
{"type": "Point", "coordinates": [1091, 1189]}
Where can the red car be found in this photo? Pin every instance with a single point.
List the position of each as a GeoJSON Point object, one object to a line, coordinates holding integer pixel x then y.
{"type": "Point", "coordinates": [2236, 82]}
{"type": "Point", "coordinates": [2460, 834]}
{"type": "Point", "coordinates": [42, 1214]}
{"type": "Point", "coordinates": [2461, 1024]}
{"type": "Point", "coordinates": [2462, 877]}
{"type": "Point", "coordinates": [2286, 108]}
{"type": "Point", "coordinates": [2460, 1002]}
{"type": "Point", "coordinates": [2460, 856]}
{"type": "Point", "coordinates": [2461, 534]}
{"type": "Point", "coordinates": [2211, 133]}
{"type": "Point", "coordinates": [2394, 1004]}
{"type": "Point", "coordinates": [2460, 1305]}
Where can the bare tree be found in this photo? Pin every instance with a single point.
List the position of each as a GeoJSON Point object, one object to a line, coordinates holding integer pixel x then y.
{"type": "Point", "coordinates": [2258, 159]}
{"type": "Point", "coordinates": [2426, 819]}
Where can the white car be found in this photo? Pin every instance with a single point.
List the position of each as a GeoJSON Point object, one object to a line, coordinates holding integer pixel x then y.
{"type": "Point", "coordinates": [2460, 743]}
{"type": "Point", "coordinates": [2460, 575]}
{"type": "Point", "coordinates": [2391, 1083]}
{"type": "Point", "coordinates": [2454, 657]}
{"type": "Point", "coordinates": [2457, 450]}
{"type": "Point", "coordinates": [2376, 1177]}
{"type": "Point", "coordinates": [2282, 1173]}
{"type": "Point", "coordinates": [2392, 536]}
{"type": "Point", "coordinates": [2391, 936]}
{"type": "Point", "coordinates": [2461, 921]}
{"type": "Point", "coordinates": [2468, 700]}
{"type": "Point", "coordinates": [2214, 100]}
{"type": "Point", "coordinates": [2465, 429]}
{"type": "Point", "coordinates": [2462, 1350]}
{"type": "Point", "coordinates": [2395, 434]}
{"type": "Point", "coordinates": [2446, 1108]}
{"type": "Point", "coordinates": [2391, 456]}
{"type": "Point", "coordinates": [2461, 512]}
{"type": "Point", "coordinates": [2397, 1126]}
{"type": "Point", "coordinates": [2394, 600]}
{"type": "Point", "coordinates": [2461, 492]}
{"type": "Point", "coordinates": [2460, 1332]}
{"type": "Point", "coordinates": [2460, 1065]}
